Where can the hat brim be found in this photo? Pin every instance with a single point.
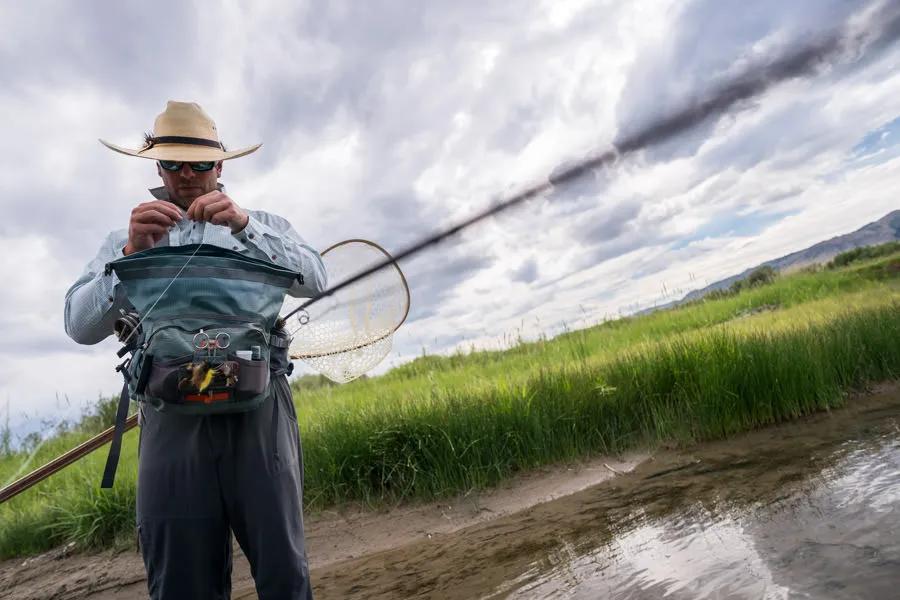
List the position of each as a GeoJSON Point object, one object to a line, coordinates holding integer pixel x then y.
{"type": "Point", "coordinates": [182, 152]}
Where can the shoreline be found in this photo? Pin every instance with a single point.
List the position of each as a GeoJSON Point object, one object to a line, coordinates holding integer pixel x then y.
{"type": "Point", "coordinates": [332, 536]}
{"type": "Point", "coordinates": [330, 533]}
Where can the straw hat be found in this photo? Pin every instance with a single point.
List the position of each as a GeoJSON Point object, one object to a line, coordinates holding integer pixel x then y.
{"type": "Point", "coordinates": [183, 132]}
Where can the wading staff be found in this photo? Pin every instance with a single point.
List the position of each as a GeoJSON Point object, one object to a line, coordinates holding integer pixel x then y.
{"type": "Point", "coordinates": [61, 462]}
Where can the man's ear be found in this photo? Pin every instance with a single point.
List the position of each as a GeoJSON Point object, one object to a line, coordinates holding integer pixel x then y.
{"type": "Point", "coordinates": [219, 168]}
{"type": "Point", "coordinates": [158, 169]}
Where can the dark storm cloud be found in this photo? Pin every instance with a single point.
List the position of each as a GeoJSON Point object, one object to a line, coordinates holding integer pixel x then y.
{"type": "Point", "coordinates": [369, 52]}
{"type": "Point", "coordinates": [124, 45]}
{"type": "Point", "coordinates": [522, 124]}
{"type": "Point", "coordinates": [527, 272]}
{"type": "Point", "coordinates": [432, 278]}
{"type": "Point", "coordinates": [403, 214]}
{"type": "Point", "coordinates": [800, 127]}
{"type": "Point", "coordinates": [606, 224]}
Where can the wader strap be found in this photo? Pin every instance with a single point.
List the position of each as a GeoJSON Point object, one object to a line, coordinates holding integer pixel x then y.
{"type": "Point", "coordinates": [115, 447]}
{"type": "Point", "coordinates": [279, 360]}
{"type": "Point", "coordinates": [283, 371]}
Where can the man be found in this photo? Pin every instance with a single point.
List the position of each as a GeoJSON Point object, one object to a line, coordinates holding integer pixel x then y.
{"type": "Point", "coordinates": [202, 477]}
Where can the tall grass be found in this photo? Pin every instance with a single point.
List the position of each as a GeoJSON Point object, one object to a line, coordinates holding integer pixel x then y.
{"type": "Point", "coordinates": [70, 506]}
{"type": "Point", "coordinates": [686, 389]}
{"type": "Point", "coordinates": [442, 425]}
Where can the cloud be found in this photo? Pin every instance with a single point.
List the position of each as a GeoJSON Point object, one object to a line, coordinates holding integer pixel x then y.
{"type": "Point", "coordinates": [435, 277]}
{"type": "Point", "coordinates": [527, 272]}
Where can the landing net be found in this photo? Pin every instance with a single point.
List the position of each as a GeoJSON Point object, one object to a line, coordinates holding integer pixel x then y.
{"type": "Point", "coordinates": [345, 335]}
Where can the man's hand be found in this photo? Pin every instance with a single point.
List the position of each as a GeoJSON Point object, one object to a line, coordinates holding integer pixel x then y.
{"type": "Point", "coordinates": [149, 223]}
{"type": "Point", "coordinates": [217, 208]}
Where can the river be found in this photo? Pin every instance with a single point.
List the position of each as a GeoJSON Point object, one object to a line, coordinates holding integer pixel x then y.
{"type": "Point", "coordinates": [809, 509]}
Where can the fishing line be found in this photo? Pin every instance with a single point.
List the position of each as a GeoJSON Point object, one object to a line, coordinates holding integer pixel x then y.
{"type": "Point", "coordinates": [882, 26]}
{"type": "Point", "coordinates": [137, 327]}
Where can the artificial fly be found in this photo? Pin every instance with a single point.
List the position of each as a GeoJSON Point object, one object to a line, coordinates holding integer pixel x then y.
{"type": "Point", "coordinates": [201, 374]}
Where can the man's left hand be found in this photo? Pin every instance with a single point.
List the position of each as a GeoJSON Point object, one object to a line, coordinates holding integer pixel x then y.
{"type": "Point", "coordinates": [217, 208]}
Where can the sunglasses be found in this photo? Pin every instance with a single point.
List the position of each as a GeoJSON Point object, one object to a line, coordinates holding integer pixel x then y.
{"type": "Point", "coordinates": [197, 167]}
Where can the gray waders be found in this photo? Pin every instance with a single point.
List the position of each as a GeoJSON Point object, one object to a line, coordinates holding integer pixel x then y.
{"type": "Point", "coordinates": [202, 477]}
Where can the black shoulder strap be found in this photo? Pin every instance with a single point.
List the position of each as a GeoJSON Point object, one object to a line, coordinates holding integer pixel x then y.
{"type": "Point", "coordinates": [115, 448]}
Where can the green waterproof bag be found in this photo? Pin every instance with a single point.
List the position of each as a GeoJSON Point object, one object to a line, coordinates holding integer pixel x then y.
{"type": "Point", "coordinates": [206, 317]}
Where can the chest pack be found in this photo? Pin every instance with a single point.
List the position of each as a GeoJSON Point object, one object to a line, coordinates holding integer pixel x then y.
{"type": "Point", "coordinates": [202, 340]}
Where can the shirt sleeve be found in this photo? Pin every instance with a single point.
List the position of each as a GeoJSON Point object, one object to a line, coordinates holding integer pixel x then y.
{"type": "Point", "coordinates": [94, 300]}
{"type": "Point", "coordinates": [272, 238]}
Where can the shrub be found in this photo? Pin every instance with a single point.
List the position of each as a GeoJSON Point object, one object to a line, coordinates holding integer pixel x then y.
{"type": "Point", "coordinates": [862, 253]}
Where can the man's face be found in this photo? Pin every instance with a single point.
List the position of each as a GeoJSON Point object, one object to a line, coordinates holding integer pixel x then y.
{"type": "Point", "coordinates": [186, 185]}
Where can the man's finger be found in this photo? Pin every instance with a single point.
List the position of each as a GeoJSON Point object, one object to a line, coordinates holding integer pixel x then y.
{"type": "Point", "coordinates": [193, 208]}
{"type": "Point", "coordinates": [211, 194]}
{"type": "Point", "coordinates": [152, 216]}
{"type": "Point", "coordinates": [149, 229]}
{"type": "Point", "coordinates": [194, 211]}
{"type": "Point", "coordinates": [216, 207]}
{"type": "Point", "coordinates": [159, 206]}
{"type": "Point", "coordinates": [222, 217]}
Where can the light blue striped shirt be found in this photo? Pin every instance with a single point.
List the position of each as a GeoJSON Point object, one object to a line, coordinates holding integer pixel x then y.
{"type": "Point", "coordinates": [93, 302]}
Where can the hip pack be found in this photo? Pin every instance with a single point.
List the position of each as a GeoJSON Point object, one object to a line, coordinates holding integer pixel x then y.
{"type": "Point", "coordinates": [202, 339]}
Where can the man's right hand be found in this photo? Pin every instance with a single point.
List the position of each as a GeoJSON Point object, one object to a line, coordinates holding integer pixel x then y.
{"type": "Point", "coordinates": [150, 221]}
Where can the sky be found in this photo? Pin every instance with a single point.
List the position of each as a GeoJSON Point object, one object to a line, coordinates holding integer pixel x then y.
{"type": "Point", "coordinates": [388, 120]}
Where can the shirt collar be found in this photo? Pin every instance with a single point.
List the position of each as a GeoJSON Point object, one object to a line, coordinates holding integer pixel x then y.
{"type": "Point", "coordinates": [160, 193]}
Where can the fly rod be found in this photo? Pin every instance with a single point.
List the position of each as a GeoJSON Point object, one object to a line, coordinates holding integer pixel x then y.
{"type": "Point", "coordinates": [62, 461]}
{"type": "Point", "coordinates": [800, 61]}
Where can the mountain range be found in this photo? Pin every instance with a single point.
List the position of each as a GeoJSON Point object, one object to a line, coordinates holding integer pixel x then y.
{"type": "Point", "coordinates": [885, 229]}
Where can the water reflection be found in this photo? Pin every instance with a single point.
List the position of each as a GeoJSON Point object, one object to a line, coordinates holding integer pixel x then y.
{"type": "Point", "coordinates": [831, 534]}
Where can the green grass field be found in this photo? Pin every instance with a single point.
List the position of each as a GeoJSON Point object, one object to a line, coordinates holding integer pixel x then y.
{"type": "Point", "coordinates": [442, 425]}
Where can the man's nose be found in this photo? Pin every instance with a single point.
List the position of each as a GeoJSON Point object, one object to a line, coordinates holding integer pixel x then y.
{"type": "Point", "coordinates": [186, 171]}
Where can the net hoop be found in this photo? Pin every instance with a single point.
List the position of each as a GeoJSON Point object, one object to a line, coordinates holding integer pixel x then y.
{"type": "Point", "coordinates": [303, 356]}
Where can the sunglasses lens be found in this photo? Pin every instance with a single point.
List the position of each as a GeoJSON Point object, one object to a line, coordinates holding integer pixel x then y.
{"type": "Point", "coordinates": [170, 165]}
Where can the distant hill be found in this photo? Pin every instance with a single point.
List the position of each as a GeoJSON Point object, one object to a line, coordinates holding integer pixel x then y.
{"type": "Point", "coordinates": [885, 229]}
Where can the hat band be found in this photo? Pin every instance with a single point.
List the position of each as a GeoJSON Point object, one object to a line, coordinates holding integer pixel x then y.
{"type": "Point", "coordinates": [178, 139]}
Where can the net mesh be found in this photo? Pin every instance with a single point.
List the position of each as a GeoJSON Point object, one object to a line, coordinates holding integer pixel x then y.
{"type": "Point", "coordinates": [349, 333]}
